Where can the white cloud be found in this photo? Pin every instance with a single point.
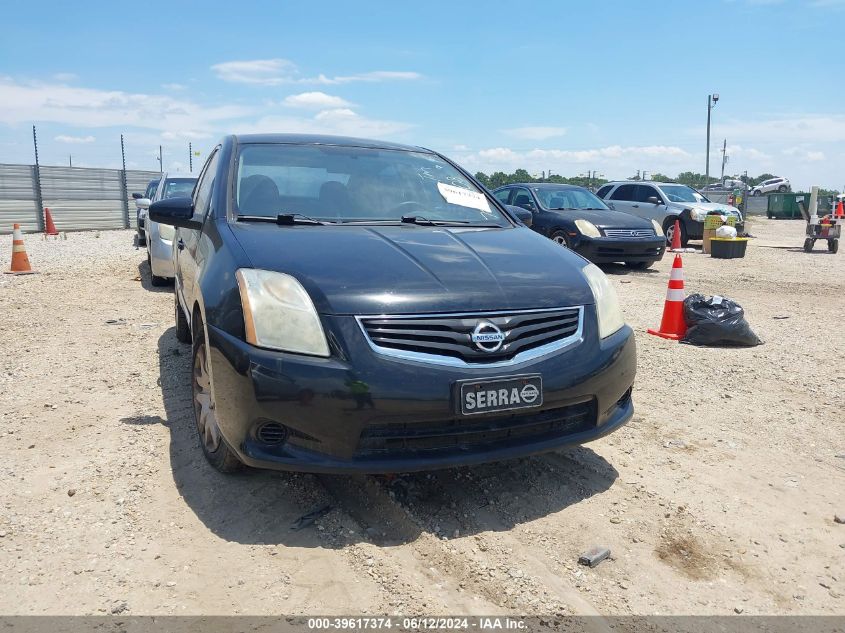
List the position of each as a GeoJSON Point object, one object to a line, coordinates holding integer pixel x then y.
{"type": "Point", "coordinates": [804, 154]}
{"type": "Point", "coordinates": [316, 100]}
{"type": "Point", "coordinates": [340, 121]}
{"type": "Point", "coordinates": [92, 108]}
{"type": "Point", "coordinates": [64, 138]}
{"type": "Point", "coordinates": [823, 128]}
{"type": "Point", "coordinates": [174, 86]}
{"type": "Point", "coordinates": [535, 133]}
{"type": "Point", "coordinates": [65, 77]}
{"type": "Point", "coordinates": [276, 72]}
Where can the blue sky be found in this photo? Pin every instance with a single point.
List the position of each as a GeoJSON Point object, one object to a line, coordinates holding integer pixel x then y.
{"type": "Point", "coordinates": [606, 86]}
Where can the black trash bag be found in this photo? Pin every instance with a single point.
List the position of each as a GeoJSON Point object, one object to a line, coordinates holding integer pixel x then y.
{"type": "Point", "coordinates": [716, 321]}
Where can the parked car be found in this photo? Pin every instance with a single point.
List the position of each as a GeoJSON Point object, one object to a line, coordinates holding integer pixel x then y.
{"type": "Point", "coordinates": [359, 306]}
{"type": "Point", "coordinates": [665, 203]}
{"type": "Point", "coordinates": [142, 202]}
{"type": "Point", "coordinates": [574, 217]}
{"type": "Point", "coordinates": [159, 237]}
{"type": "Point", "coordinates": [772, 184]}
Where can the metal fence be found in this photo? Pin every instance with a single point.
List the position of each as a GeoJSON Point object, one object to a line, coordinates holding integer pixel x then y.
{"type": "Point", "coordinates": [78, 197]}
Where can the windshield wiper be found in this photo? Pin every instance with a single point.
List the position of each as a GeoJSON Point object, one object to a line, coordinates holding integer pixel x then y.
{"type": "Point", "coordinates": [283, 219]}
{"type": "Point", "coordinates": [422, 221]}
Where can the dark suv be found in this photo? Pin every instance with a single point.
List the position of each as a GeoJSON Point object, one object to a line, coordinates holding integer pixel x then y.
{"type": "Point", "coordinates": [357, 306]}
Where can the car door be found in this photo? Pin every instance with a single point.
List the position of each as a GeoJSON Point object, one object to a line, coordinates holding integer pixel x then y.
{"type": "Point", "coordinates": [647, 209]}
{"type": "Point", "coordinates": [187, 240]}
{"type": "Point", "coordinates": [503, 195]}
{"type": "Point", "coordinates": [623, 198]}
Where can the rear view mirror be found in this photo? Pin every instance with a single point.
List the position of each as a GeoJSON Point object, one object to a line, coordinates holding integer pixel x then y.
{"type": "Point", "coordinates": [175, 212]}
{"type": "Point", "coordinates": [654, 200]}
{"type": "Point", "coordinates": [143, 203]}
{"type": "Point", "coordinates": [136, 196]}
{"type": "Point", "coordinates": [525, 216]}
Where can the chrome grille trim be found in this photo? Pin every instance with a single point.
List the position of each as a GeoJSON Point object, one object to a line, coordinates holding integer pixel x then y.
{"type": "Point", "coordinates": [451, 339]}
{"type": "Point", "coordinates": [629, 233]}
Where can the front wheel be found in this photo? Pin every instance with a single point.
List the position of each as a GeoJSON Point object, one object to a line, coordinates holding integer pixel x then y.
{"type": "Point", "coordinates": [559, 237]}
{"type": "Point", "coordinates": [833, 245]}
{"type": "Point", "coordinates": [757, 193]}
{"type": "Point", "coordinates": [669, 231]}
{"type": "Point", "coordinates": [215, 449]}
{"type": "Point", "coordinates": [783, 188]}
{"type": "Point", "coordinates": [183, 329]}
{"type": "Point", "coordinates": [808, 244]}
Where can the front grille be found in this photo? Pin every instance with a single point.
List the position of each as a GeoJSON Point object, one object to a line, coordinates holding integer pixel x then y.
{"type": "Point", "coordinates": [450, 336]}
{"type": "Point", "coordinates": [461, 434]}
{"type": "Point", "coordinates": [627, 234]}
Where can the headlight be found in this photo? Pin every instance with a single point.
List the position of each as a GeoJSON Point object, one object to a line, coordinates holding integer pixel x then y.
{"type": "Point", "coordinates": [697, 215]}
{"type": "Point", "coordinates": [607, 303]}
{"type": "Point", "coordinates": [279, 314]}
{"type": "Point", "coordinates": [166, 231]}
{"type": "Point", "coordinates": [587, 229]}
{"type": "Point", "coordinates": [658, 230]}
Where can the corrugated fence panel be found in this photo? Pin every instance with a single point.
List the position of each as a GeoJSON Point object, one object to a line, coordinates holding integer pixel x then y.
{"type": "Point", "coordinates": [17, 198]}
{"type": "Point", "coordinates": [81, 198]}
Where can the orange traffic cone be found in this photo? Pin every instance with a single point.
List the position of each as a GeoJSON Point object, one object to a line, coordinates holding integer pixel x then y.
{"type": "Point", "coordinates": [673, 326]}
{"type": "Point", "coordinates": [840, 211]}
{"type": "Point", "coordinates": [676, 236]}
{"type": "Point", "coordinates": [20, 262]}
{"type": "Point", "coordinates": [49, 227]}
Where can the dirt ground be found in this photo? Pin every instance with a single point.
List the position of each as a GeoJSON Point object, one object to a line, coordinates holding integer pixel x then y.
{"type": "Point", "coordinates": [718, 498]}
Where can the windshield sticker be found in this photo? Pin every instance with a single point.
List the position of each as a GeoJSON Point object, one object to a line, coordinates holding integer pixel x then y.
{"type": "Point", "coordinates": [463, 197]}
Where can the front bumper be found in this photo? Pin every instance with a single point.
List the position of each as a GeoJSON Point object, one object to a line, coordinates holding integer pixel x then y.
{"type": "Point", "coordinates": [605, 250]}
{"type": "Point", "coordinates": [161, 253]}
{"type": "Point", "coordinates": [404, 418]}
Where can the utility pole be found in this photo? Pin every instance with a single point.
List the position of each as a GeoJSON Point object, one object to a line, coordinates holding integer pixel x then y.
{"type": "Point", "coordinates": [711, 103]}
{"type": "Point", "coordinates": [160, 163]}
{"type": "Point", "coordinates": [190, 158]}
{"type": "Point", "coordinates": [724, 158]}
{"type": "Point", "coordinates": [644, 173]}
{"type": "Point", "coordinates": [70, 160]}
{"type": "Point", "coordinates": [38, 197]}
{"type": "Point", "coordinates": [124, 184]}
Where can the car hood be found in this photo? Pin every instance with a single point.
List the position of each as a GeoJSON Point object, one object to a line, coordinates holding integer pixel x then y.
{"type": "Point", "coordinates": [414, 269]}
{"type": "Point", "coordinates": [609, 219]}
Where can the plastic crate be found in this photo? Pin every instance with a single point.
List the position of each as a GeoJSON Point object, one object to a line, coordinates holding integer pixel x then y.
{"type": "Point", "coordinates": [727, 248]}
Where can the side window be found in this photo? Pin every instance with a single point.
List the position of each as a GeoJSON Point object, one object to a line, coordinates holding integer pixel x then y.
{"type": "Point", "coordinates": [503, 195]}
{"type": "Point", "coordinates": [601, 193]}
{"type": "Point", "coordinates": [202, 192]}
{"type": "Point", "coordinates": [644, 192]}
{"type": "Point", "coordinates": [522, 199]}
{"type": "Point", "coordinates": [624, 192]}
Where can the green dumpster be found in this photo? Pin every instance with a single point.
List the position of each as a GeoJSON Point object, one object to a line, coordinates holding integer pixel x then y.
{"type": "Point", "coordinates": [785, 205]}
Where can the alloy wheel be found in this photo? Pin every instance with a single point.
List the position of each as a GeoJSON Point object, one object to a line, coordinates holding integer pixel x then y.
{"type": "Point", "coordinates": [204, 411]}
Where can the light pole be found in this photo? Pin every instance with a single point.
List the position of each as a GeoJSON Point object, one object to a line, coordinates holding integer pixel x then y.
{"type": "Point", "coordinates": [711, 103]}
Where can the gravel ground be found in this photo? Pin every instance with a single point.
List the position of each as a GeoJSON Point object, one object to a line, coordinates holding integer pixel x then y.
{"type": "Point", "coordinates": [718, 498]}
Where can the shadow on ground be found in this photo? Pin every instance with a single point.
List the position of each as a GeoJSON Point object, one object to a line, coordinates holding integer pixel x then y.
{"type": "Point", "coordinates": [260, 507]}
{"type": "Point", "coordinates": [145, 275]}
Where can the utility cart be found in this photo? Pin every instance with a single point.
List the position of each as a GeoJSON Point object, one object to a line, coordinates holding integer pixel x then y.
{"type": "Point", "coordinates": [828, 228]}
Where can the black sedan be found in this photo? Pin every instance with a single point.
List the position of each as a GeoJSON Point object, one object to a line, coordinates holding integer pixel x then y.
{"type": "Point", "coordinates": [356, 306]}
{"type": "Point", "coordinates": [576, 218]}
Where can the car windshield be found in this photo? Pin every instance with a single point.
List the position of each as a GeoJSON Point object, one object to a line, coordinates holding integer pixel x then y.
{"type": "Point", "coordinates": [178, 187]}
{"type": "Point", "coordinates": [682, 193]}
{"type": "Point", "coordinates": [333, 183]}
{"type": "Point", "coordinates": [568, 199]}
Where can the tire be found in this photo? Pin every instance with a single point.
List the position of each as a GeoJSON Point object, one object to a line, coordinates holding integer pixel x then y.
{"type": "Point", "coordinates": [560, 237]}
{"type": "Point", "coordinates": [669, 229]}
{"type": "Point", "coordinates": [155, 280]}
{"type": "Point", "coordinates": [757, 192]}
{"type": "Point", "coordinates": [783, 189]}
{"type": "Point", "coordinates": [808, 244]}
{"type": "Point", "coordinates": [770, 215]}
{"type": "Point", "coordinates": [142, 239]}
{"type": "Point", "coordinates": [213, 446]}
{"type": "Point", "coordinates": [833, 245]}
{"type": "Point", "coordinates": [639, 265]}
{"type": "Point", "coordinates": [183, 329]}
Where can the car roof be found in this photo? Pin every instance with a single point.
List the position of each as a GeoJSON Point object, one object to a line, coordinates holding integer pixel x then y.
{"type": "Point", "coordinates": [168, 176]}
{"type": "Point", "coordinates": [642, 182]}
{"type": "Point", "coordinates": [323, 139]}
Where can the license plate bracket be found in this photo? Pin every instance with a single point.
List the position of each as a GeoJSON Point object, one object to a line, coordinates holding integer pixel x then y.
{"type": "Point", "coordinates": [505, 393]}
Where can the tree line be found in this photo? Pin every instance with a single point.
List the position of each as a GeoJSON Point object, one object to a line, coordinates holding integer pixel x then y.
{"type": "Point", "coordinates": [690, 178]}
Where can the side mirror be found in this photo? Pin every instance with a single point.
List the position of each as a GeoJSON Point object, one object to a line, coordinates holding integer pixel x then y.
{"type": "Point", "coordinates": [525, 216]}
{"type": "Point", "coordinates": [175, 212]}
{"type": "Point", "coordinates": [136, 196]}
{"type": "Point", "coordinates": [142, 203]}
{"type": "Point", "coordinates": [654, 200]}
